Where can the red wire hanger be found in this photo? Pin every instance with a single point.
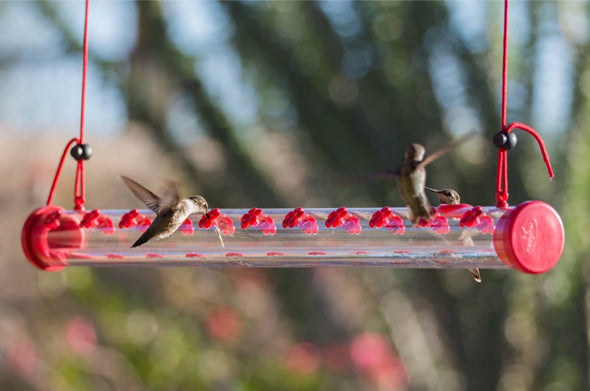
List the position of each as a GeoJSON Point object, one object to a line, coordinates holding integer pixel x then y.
{"type": "Point", "coordinates": [80, 151]}
{"type": "Point", "coordinates": [506, 140]}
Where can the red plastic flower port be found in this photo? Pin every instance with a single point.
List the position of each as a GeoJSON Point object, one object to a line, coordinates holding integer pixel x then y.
{"type": "Point", "coordinates": [438, 223]}
{"type": "Point", "coordinates": [250, 218]}
{"type": "Point", "coordinates": [471, 217]}
{"type": "Point", "coordinates": [128, 219]}
{"type": "Point", "coordinates": [385, 218]}
{"type": "Point", "coordinates": [208, 219]}
{"type": "Point", "coordinates": [335, 218]}
{"type": "Point", "coordinates": [342, 218]}
{"type": "Point", "coordinates": [257, 219]}
{"type": "Point", "coordinates": [134, 219]}
{"type": "Point", "coordinates": [96, 219]}
{"type": "Point", "coordinates": [51, 221]}
{"type": "Point", "coordinates": [352, 224]}
{"type": "Point", "coordinates": [476, 218]}
{"type": "Point", "coordinates": [292, 218]}
{"type": "Point", "coordinates": [486, 225]}
{"type": "Point", "coordinates": [186, 228]}
{"type": "Point", "coordinates": [225, 225]}
{"type": "Point", "coordinates": [298, 218]}
{"type": "Point", "coordinates": [215, 217]}
{"type": "Point", "coordinates": [309, 225]}
{"type": "Point", "coordinates": [89, 218]}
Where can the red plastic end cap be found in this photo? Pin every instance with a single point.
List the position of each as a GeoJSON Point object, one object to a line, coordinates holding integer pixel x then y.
{"type": "Point", "coordinates": [530, 237]}
{"type": "Point", "coordinates": [46, 253]}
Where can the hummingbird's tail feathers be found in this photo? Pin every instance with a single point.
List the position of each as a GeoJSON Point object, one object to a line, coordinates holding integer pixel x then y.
{"type": "Point", "coordinates": [475, 274]}
{"type": "Point", "coordinates": [142, 239]}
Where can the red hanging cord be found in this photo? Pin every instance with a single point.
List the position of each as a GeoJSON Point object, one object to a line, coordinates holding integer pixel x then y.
{"type": "Point", "coordinates": [505, 65]}
{"type": "Point", "coordinates": [79, 184]}
{"type": "Point", "coordinates": [84, 67]}
{"type": "Point", "coordinates": [537, 137]}
{"type": "Point", "coordinates": [58, 171]}
{"type": "Point", "coordinates": [502, 167]}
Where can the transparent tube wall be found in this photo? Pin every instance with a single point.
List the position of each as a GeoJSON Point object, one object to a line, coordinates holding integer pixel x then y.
{"type": "Point", "coordinates": [355, 241]}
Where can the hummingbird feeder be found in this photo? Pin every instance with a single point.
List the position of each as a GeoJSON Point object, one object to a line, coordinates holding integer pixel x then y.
{"type": "Point", "coordinates": [529, 237]}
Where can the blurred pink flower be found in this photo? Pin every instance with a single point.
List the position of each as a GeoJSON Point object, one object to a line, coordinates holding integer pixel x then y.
{"type": "Point", "coordinates": [223, 324]}
{"type": "Point", "coordinates": [22, 358]}
{"type": "Point", "coordinates": [303, 358]}
{"type": "Point", "coordinates": [81, 336]}
{"type": "Point", "coordinates": [374, 358]}
{"type": "Point", "coordinates": [337, 358]}
{"type": "Point", "coordinates": [389, 376]}
{"type": "Point", "coordinates": [248, 279]}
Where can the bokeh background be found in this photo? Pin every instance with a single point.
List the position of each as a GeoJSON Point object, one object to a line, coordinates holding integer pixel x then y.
{"type": "Point", "coordinates": [272, 104]}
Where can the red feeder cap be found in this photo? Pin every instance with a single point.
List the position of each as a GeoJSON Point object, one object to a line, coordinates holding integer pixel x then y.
{"type": "Point", "coordinates": [38, 247]}
{"type": "Point", "coordinates": [530, 237]}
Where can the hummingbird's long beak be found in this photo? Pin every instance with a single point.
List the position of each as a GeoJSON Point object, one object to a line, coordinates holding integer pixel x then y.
{"type": "Point", "coordinates": [432, 190]}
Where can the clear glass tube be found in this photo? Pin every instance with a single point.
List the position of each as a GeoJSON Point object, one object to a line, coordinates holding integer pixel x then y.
{"type": "Point", "coordinates": [273, 238]}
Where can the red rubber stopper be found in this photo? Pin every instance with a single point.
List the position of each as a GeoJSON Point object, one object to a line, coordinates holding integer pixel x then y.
{"type": "Point", "coordinates": [530, 237]}
{"type": "Point", "coordinates": [48, 253]}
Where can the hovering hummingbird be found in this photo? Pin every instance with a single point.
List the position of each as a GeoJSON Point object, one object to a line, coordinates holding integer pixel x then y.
{"type": "Point", "coordinates": [451, 197]}
{"type": "Point", "coordinates": [411, 178]}
{"type": "Point", "coordinates": [171, 211]}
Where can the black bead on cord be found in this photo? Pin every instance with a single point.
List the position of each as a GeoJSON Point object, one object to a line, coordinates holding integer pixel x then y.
{"type": "Point", "coordinates": [505, 140]}
{"type": "Point", "coordinates": [81, 152]}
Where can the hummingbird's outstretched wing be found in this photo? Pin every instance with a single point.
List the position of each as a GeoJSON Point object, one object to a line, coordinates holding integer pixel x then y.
{"type": "Point", "coordinates": [150, 199]}
{"type": "Point", "coordinates": [429, 159]}
{"type": "Point", "coordinates": [372, 177]}
{"type": "Point", "coordinates": [171, 195]}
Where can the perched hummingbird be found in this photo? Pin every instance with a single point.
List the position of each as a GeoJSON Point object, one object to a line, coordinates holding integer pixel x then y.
{"type": "Point", "coordinates": [446, 196]}
{"type": "Point", "coordinates": [171, 211]}
{"type": "Point", "coordinates": [451, 197]}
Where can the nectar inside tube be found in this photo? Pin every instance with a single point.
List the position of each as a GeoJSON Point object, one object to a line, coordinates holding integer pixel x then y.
{"type": "Point", "coordinates": [458, 236]}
